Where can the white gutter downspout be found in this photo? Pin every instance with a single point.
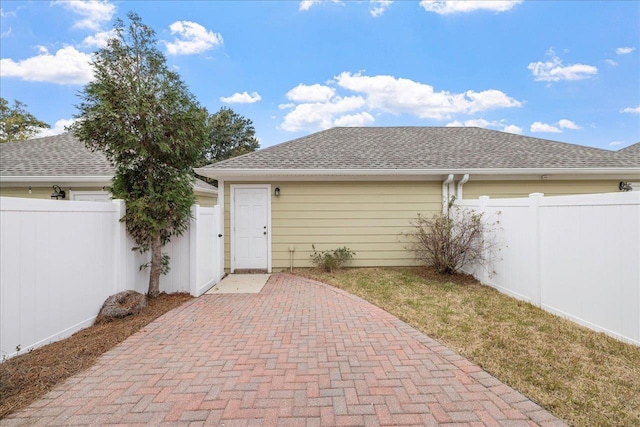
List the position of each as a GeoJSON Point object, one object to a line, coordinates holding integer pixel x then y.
{"type": "Point", "coordinates": [446, 190]}
{"type": "Point", "coordinates": [462, 182]}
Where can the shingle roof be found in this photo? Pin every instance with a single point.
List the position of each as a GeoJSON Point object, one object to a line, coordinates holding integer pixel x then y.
{"type": "Point", "coordinates": [60, 156]}
{"type": "Point", "coordinates": [423, 148]}
{"type": "Point", "coordinates": [632, 151]}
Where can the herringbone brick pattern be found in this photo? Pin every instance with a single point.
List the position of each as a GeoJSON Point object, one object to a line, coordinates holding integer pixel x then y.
{"type": "Point", "coordinates": [300, 353]}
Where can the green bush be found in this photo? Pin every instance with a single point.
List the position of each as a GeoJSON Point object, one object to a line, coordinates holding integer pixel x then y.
{"type": "Point", "coordinates": [330, 260]}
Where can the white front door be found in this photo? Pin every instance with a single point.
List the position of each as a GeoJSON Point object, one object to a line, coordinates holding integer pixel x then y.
{"type": "Point", "coordinates": [251, 227]}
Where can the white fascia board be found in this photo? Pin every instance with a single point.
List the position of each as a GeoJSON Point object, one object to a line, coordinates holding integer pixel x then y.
{"type": "Point", "coordinates": [530, 173]}
{"type": "Point", "coordinates": [93, 179]}
{"type": "Point", "coordinates": [205, 191]}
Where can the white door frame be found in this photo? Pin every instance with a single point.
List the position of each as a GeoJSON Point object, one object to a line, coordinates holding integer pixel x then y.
{"type": "Point", "coordinates": [232, 222]}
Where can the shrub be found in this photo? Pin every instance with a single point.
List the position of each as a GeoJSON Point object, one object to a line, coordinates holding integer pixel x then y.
{"type": "Point", "coordinates": [451, 240]}
{"type": "Point", "coordinates": [331, 259]}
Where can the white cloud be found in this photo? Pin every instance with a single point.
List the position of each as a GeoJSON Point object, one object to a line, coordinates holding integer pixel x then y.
{"type": "Point", "coordinates": [352, 120]}
{"type": "Point", "coordinates": [94, 13]}
{"type": "Point", "coordinates": [57, 129]}
{"type": "Point", "coordinates": [553, 70]}
{"type": "Point", "coordinates": [191, 38]}
{"type": "Point", "coordinates": [311, 93]}
{"type": "Point", "coordinates": [445, 7]}
{"type": "Point", "coordinates": [615, 143]}
{"type": "Point", "coordinates": [4, 14]}
{"type": "Point", "coordinates": [320, 115]}
{"type": "Point", "coordinates": [400, 95]}
{"type": "Point", "coordinates": [379, 7]}
{"type": "Point", "coordinates": [99, 39]}
{"type": "Point", "coordinates": [315, 107]}
{"type": "Point", "coordinates": [307, 4]}
{"type": "Point", "coordinates": [544, 127]}
{"type": "Point", "coordinates": [67, 67]}
{"type": "Point", "coordinates": [611, 62]}
{"type": "Point", "coordinates": [5, 33]}
{"type": "Point", "coordinates": [482, 123]}
{"type": "Point", "coordinates": [479, 123]}
{"type": "Point", "coordinates": [632, 110]}
{"type": "Point", "coordinates": [513, 129]}
{"type": "Point", "coordinates": [624, 50]}
{"type": "Point", "coordinates": [568, 124]}
{"type": "Point", "coordinates": [242, 98]}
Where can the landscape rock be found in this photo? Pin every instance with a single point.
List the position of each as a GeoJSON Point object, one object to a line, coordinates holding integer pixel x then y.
{"type": "Point", "coordinates": [121, 305]}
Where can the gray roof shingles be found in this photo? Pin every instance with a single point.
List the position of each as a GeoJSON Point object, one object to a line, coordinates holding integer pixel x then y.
{"type": "Point", "coordinates": [424, 148]}
{"type": "Point", "coordinates": [57, 156]}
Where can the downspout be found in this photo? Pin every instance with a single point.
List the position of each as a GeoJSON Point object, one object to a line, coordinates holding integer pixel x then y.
{"type": "Point", "coordinates": [445, 193]}
{"type": "Point", "coordinates": [462, 182]}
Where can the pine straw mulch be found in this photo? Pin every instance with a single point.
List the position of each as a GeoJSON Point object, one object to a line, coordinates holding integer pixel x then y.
{"type": "Point", "coordinates": [25, 378]}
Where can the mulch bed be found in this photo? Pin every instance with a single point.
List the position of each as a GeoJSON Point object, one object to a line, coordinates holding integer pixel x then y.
{"type": "Point", "coordinates": [25, 378]}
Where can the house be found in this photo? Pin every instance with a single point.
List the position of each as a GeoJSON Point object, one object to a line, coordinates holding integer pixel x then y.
{"type": "Point", "coordinates": [37, 168]}
{"type": "Point", "coordinates": [361, 187]}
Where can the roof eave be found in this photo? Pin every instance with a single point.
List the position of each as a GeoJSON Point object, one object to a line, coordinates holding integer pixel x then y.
{"type": "Point", "coordinates": [75, 179]}
{"type": "Point", "coordinates": [253, 173]}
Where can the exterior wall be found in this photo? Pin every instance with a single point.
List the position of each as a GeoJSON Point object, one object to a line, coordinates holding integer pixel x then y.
{"type": "Point", "coordinates": [508, 189]}
{"type": "Point", "coordinates": [39, 192]}
{"type": "Point", "coordinates": [206, 200]}
{"type": "Point", "coordinates": [367, 217]}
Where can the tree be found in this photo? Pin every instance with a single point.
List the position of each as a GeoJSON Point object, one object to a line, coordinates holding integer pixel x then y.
{"type": "Point", "coordinates": [148, 124]}
{"type": "Point", "coordinates": [16, 123]}
{"type": "Point", "coordinates": [230, 135]}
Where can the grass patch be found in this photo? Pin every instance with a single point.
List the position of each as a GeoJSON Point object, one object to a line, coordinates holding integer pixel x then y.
{"type": "Point", "coordinates": [584, 377]}
{"type": "Point", "coordinates": [26, 377]}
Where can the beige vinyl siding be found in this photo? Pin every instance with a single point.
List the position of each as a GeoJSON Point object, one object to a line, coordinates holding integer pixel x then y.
{"type": "Point", "coordinates": [206, 200]}
{"type": "Point", "coordinates": [505, 189]}
{"type": "Point", "coordinates": [39, 192]}
{"type": "Point", "coordinates": [367, 217]}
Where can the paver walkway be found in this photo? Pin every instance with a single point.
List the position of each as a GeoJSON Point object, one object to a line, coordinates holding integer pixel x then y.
{"type": "Point", "coordinates": [300, 353]}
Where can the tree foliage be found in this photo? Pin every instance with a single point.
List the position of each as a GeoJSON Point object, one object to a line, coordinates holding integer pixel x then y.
{"type": "Point", "coordinates": [16, 123]}
{"type": "Point", "coordinates": [230, 135]}
{"type": "Point", "coordinates": [148, 124]}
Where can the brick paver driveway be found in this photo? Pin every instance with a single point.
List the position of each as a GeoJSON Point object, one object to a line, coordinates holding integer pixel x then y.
{"type": "Point", "coordinates": [300, 353]}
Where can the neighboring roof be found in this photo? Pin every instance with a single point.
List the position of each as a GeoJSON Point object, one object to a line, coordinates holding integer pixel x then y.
{"type": "Point", "coordinates": [61, 157]}
{"type": "Point", "coordinates": [632, 151]}
{"type": "Point", "coordinates": [420, 148]}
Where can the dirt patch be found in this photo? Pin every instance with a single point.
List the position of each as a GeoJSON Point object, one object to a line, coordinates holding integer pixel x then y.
{"type": "Point", "coordinates": [25, 378]}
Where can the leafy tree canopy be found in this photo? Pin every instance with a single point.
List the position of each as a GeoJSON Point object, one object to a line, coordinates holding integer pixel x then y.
{"type": "Point", "coordinates": [230, 135]}
{"type": "Point", "coordinates": [148, 124]}
{"type": "Point", "coordinates": [16, 123]}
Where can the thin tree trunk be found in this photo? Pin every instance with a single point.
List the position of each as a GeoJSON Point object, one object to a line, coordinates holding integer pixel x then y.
{"type": "Point", "coordinates": [156, 267]}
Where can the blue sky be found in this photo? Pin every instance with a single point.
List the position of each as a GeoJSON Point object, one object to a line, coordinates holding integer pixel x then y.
{"type": "Point", "coordinates": [562, 70]}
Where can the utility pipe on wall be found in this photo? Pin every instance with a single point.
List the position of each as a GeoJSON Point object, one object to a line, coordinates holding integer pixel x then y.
{"type": "Point", "coordinates": [445, 193]}
{"type": "Point", "coordinates": [462, 182]}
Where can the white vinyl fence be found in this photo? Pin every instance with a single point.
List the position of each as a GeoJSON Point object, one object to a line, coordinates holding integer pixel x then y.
{"type": "Point", "coordinates": [575, 256]}
{"type": "Point", "coordinates": [59, 261]}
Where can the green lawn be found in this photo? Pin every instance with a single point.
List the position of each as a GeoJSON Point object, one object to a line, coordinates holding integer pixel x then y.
{"type": "Point", "coordinates": [581, 376]}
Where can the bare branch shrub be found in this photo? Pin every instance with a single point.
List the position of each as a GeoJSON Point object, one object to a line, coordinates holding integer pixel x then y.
{"type": "Point", "coordinates": [452, 240]}
{"type": "Point", "coordinates": [331, 259]}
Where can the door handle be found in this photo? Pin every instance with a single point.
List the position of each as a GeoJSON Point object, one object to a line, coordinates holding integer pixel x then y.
{"type": "Point", "coordinates": [264, 232]}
